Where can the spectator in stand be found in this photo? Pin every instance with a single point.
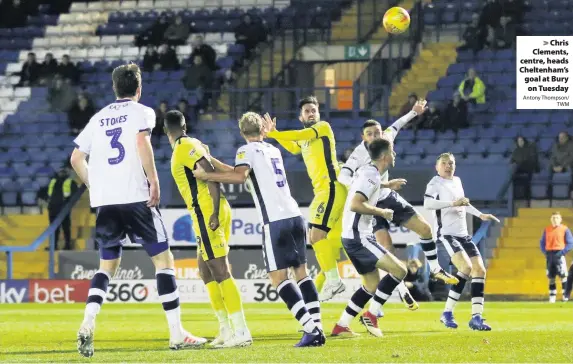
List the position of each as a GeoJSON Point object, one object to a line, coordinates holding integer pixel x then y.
{"type": "Point", "coordinates": [168, 60]}
{"type": "Point", "coordinates": [31, 71]}
{"type": "Point", "coordinates": [455, 115]}
{"type": "Point", "coordinates": [249, 33]}
{"type": "Point", "coordinates": [49, 69]}
{"type": "Point", "coordinates": [14, 14]}
{"type": "Point", "coordinates": [491, 13]}
{"type": "Point", "coordinates": [61, 95]}
{"type": "Point", "coordinates": [474, 35]}
{"type": "Point", "coordinates": [524, 163]}
{"type": "Point", "coordinates": [502, 36]}
{"type": "Point", "coordinates": [412, 99]}
{"type": "Point", "coordinates": [60, 189]}
{"type": "Point", "coordinates": [68, 71]}
{"type": "Point", "coordinates": [562, 153]}
{"type": "Point", "coordinates": [183, 107]}
{"type": "Point", "coordinates": [205, 51]}
{"type": "Point", "coordinates": [150, 59]}
{"type": "Point", "coordinates": [177, 33]}
{"type": "Point", "coordinates": [431, 119]}
{"type": "Point", "coordinates": [154, 34]}
{"type": "Point", "coordinates": [472, 88]}
{"type": "Point", "coordinates": [160, 112]}
{"type": "Point", "coordinates": [199, 77]}
{"type": "Point", "coordinates": [80, 114]}
{"type": "Point", "coordinates": [514, 9]}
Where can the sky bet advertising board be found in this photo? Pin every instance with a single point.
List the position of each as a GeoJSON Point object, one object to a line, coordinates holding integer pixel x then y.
{"type": "Point", "coordinates": [246, 229]}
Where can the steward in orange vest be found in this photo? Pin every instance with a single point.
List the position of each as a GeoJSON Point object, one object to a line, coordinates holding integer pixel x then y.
{"type": "Point", "coordinates": [556, 241]}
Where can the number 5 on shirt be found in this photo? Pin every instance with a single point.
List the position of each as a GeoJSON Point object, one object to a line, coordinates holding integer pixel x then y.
{"type": "Point", "coordinates": [278, 172]}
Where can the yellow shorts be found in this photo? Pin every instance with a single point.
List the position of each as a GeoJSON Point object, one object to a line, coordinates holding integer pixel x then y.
{"type": "Point", "coordinates": [326, 208]}
{"type": "Point", "coordinates": [213, 244]}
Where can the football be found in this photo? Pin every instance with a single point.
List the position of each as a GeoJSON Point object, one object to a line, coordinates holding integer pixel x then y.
{"type": "Point", "coordinates": [396, 20]}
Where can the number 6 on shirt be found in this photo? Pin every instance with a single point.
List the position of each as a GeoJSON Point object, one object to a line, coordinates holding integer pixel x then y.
{"type": "Point", "coordinates": [278, 171]}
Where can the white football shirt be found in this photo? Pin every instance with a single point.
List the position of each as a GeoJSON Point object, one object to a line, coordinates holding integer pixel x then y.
{"type": "Point", "coordinates": [267, 181]}
{"type": "Point", "coordinates": [115, 173]}
{"type": "Point", "coordinates": [449, 220]}
{"type": "Point", "coordinates": [367, 183]}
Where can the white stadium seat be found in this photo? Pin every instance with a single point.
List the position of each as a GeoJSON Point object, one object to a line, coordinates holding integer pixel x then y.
{"type": "Point", "coordinates": [264, 3]}
{"type": "Point", "coordinates": [112, 5]}
{"type": "Point", "coordinates": [67, 18]}
{"type": "Point", "coordinates": [194, 4]}
{"type": "Point", "coordinates": [79, 54]}
{"type": "Point", "coordinates": [23, 92]}
{"type": "Point", "coordinates": [112, 53]}
{"type": "Point", "coordinates": [86, 29]}
{"type": "Point", "coordinates": [69, 30]}
{"type": "Point", "coordinates": [220, 48]}
{"type": "Point", "coordinates": [41, 54]}
{"type": "Point", "coordinates": [93, 41]}
{"type": "Point", "coordinates": [178, 4]}
{"type": "Point", "coordinates": [108, 40]}
{"type": "Point", "coordinates": [145, 5]}
{"type": "Point", "coordinates": [14, 80]}
{"type": "Point", "coordinates": [9, 106]}
{"type": "Point", "coordinates": [40, 43]}
{"type": "Point", "coordinates": [96, 53]}
{"type": "Point", "coordinates": [13, 67]}
{"type": "Point", "coordinates": [72, 42]}
{"type": "Point", "coordinates": [78, 7]}
{"type": "Point", "coordinates": [161, 4]}
{"type": "Point", "coordinates": [212, 38]}
{"type": "Point", "coordinates": [130, 53]}
{"type": "Point", "coordinates": [125, 40]}
{"type": "Point", "coordinates": [59, 53]}
{"type": "Point", "coordinates": [53, 30]}
{"type": "Point", "coordinates": [184, 50]}
{"type": "Point", "coordinates": [228, 38]}
{"type": "Point", "coordinates": [229, 3]}
{"type": "Point", "coordinates": [6, 92]}
{"type": "Point", "coordinates": [95, 6]}
{"type": "Point", "coordinates": [57, 42]}
{"type": "Point", "coordinates": [128, 5]}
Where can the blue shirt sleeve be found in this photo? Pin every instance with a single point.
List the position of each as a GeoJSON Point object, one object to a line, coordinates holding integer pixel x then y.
{"type": "Point", "coordinates": [542, 242]}
{"type": "Point", "coordinates": [568, 241]}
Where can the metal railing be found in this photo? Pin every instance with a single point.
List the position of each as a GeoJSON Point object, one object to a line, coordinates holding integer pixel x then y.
{"type": "Point", "coordinates": [48, 233]}
{"type": "Point", "coordinates": [282, 102]}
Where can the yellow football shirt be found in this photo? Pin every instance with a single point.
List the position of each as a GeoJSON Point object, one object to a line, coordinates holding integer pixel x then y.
{"type": "Point", "coordinates": [318, 149]}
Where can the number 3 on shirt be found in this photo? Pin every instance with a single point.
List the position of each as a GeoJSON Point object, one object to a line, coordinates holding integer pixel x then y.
{"type": "Point", "coordinates": [115, 144]}
{"type": "Point", "coordinates": [278, 171]}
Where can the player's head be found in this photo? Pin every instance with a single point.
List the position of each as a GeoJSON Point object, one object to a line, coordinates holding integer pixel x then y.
{"type": "Point", "coordinates": [127, 81]}
{"type": "Point", "coordinates": [174, 124]}
{"type": "Point", "coordinates": [381, 152]}
{"type": "Point", "coordinates": [251, 126]}
{"type": "Point", "coordinates": [446, 165]}
{"type": "Point", "coordinates": [309, 114]}
{"type": "Point", "coordinates": [556, 219]}
{"type": "Point", "coordinates": [371, 130]}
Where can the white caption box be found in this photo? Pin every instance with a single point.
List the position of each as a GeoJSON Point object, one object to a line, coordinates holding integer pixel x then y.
{"type": "Point", "coordinates": [544, 66]}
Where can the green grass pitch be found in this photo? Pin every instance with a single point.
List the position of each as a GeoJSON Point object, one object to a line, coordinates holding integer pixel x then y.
{"type": "Point", "coordinates": [522, 332]}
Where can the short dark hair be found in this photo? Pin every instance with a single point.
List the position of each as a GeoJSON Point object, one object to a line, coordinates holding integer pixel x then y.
{"type": "Point", "coordinates": [174, 121]}
{"type": "Point", "coordinates": [378, 147]}
{"type": "Point", "coordinates": [308, 100]}
{"type": "Point", "coordinates": [369, 123]}
{"type": "Point", "coordinates": [126, 79]}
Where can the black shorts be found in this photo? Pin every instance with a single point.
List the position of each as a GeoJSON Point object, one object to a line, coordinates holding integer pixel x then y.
{"type": "Point", "coordinates": [143, 225]}
{"type": "Point", "coordinates": [364, 253]}
{"type": "Point", "coordinates": [403, 211]}
{"type": "Point", "coordinates": [284, 243]}
{"type": "Point", "coordinates": [556, 265]}
{"type": "Point", "coordinates": [455, 244]}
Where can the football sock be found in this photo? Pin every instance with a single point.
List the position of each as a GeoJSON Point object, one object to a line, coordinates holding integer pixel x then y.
{"type": "Point", "coordinates": [319, 280]}
{"type": "Point", "coordinates": [402, 289]}
{"type": "Point", "coordinates": [169, 297]}
{"type": "Point", "coordinates": [383, 292]}
{"type": "Point", "coordinates": [326, 259]}
{"type": "Point", "coordinates": [456, 292]}
{"type": "Point", "coordinates": [310, 297]}
{"type": "Point", "coordinates": [356, 304]}
{"type": "Point", "coordinates": [217, 303]}
{"type": "Point", "coordinates": [291, 296]}
{"type": "Point", "coordinates": [431, 253]}
{"type": "Point", "coordinates": [233, 303]}
{"type": "Point", "coordinates": [552, 288]}
{"type": "Point", "coordinates": [96, 295]}
{"type": "Point", "coordinates": [477, 288]}
{"type": "Point", "coordinates": [563, 285]}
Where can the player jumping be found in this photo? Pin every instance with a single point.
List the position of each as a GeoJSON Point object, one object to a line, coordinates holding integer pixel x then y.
{"type": "Point", "coordinates": [211, 215]}
{"type": "Point", "coordinates": [445, 197]}
{"type": "Point", "coordinates": [371, 130]}
{"type": "Point", "coordinates": [360, 245]}
{"type": "Point", "coordinates": [284, 232]}
{"type": "Point", "coordinates": [317, 145]}
{"type": "Point", "coordinates": [124, 188]}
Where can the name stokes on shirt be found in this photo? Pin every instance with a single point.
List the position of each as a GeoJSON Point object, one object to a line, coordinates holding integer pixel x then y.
{"type": "Point", "coordinates": [113, 121]}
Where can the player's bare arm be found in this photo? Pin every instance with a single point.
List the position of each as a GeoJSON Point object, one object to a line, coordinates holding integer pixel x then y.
{"type": "Point", "coordinates": [394, 184]}
{"type": "Point", "coordinates": [220, 166]}
{"type": "Point", "coordinates": [145, 152]}
{"type": "Point", "coordinates": [360, 205]}
{"type": "Point", "coordinates": [80, 165]}
{"type": "Point", "coordinates": [237, 175]}
{"type": "Point", "coordinates": [214, 191]}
